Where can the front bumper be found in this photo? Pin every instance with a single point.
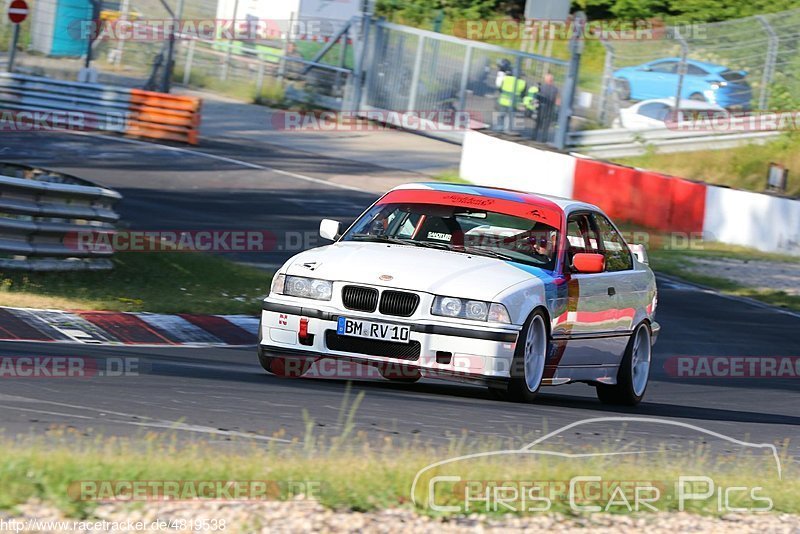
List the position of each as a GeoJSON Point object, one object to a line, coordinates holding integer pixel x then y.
{"type": "Point", "coordinates": [447, 351]}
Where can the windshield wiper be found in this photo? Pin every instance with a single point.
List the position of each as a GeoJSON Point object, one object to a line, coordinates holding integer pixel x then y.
{"type": "Point", "coordinates": [402, 241]}
{"type": "Point", "coordinates": [490, 253]}
{"type": "Point", "coordinates": [392, 240]}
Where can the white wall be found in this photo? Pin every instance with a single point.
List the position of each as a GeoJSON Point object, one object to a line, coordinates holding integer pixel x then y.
{"type": "Point", "coordinates": [486, 160]}
{"type": "Point", "coordinates": [764, 222]}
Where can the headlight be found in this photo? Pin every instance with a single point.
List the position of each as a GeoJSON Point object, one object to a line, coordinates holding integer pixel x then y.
{"type": "Point", "coordinates": [474, 310]}
{"type": "Point", "coordinates": [299, 286]}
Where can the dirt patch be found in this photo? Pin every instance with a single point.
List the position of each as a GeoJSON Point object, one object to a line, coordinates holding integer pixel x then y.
{"type": "Point", "coordinates": [755, 274]}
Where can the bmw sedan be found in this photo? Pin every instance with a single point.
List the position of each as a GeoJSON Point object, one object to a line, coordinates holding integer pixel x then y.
{"type": "Point", "coordinates": [507, 289]}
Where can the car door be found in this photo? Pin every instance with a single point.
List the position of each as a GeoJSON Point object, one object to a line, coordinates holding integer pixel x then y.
{"type": "Point", "coordinates": [661, 81]}
{"type": "Point", "coordinates": [588, 333]}
{"type": "Point", "coordinates": [628, 286]}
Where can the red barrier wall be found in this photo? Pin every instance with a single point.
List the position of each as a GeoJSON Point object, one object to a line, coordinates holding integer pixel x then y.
{"type": "Point", "coordinates": [645, 198]}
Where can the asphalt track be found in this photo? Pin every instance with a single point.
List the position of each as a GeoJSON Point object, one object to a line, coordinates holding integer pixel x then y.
{"type": "Point", "coordinates": [222, 395]}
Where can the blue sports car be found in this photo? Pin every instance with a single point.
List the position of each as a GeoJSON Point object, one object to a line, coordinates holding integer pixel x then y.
{"type": "Point", "coordinates": [708, 82]}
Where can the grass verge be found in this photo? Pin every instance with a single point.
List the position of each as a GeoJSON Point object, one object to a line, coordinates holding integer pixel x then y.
{"type": "Point", "coordinates": [743, 167]}
{"type": "Point", "coordinates": [158, 282]}
{"type": "Point", "coordinates": [677, 261]}
{"type": "Point", "coordinates": [373, 475]}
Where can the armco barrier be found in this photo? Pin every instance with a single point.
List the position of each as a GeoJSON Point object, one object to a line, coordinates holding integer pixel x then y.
{"type": "Point", "coordinates": [763, 222]}
{"type": "Point", "coordinates": [162, 116]}
{"type": "Point", "coordinates": [641, 197]}
{"type": "Point", "coordinates": [40, 210]}
{"type": "Point", "coordinates": [653, 200]}
{"type": "Point", "coordinates": [42, 102]}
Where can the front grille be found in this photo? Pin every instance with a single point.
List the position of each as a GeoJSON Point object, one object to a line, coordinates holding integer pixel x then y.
{"type": "Point", "coordinates": [399, 303]}
{"type": "Point", "coordinates": [360, 298]}
{"type": "Point", "coordinates": [372, 347]}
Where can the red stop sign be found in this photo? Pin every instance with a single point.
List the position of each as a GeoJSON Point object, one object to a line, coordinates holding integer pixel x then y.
{"type": "Point", "coordinates": [17, 11]}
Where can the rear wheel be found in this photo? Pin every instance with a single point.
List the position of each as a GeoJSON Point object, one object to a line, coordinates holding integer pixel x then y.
{"type": "Point", "coordinates": [633, 374]}
{"type": "Point", "coordinates": [527, 368]}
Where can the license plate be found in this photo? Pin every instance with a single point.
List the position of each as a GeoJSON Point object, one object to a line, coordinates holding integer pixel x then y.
{"type": "Point", "coordinates": [372, 330]}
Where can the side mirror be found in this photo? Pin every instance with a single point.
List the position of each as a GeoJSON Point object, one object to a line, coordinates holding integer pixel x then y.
{"type": "Point", "coordinates": [329, 229]}
{"type": "Point", "coordinates": [588, 263]}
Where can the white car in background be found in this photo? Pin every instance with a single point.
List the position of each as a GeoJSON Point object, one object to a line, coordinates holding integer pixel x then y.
{"type": "Point", "coordinates": [476, 284]}
{"type": "Point", "coordinates": [660, 113]}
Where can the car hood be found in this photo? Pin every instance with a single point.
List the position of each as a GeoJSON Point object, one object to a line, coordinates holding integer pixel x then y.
{"type": "Point", "coordinates": [412, 268]}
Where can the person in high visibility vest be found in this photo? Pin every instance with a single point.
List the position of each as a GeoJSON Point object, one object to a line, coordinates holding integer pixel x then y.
{"type": "Point", "coordinates": [531, 101]}
{"type": "Point", "coordinates": [510, 96]}
{"type": "Point", "coordinates": [511, 89]}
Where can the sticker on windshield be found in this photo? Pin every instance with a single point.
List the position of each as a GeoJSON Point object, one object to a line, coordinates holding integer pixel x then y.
{"type": "Point", "coordinates": [440, 236]}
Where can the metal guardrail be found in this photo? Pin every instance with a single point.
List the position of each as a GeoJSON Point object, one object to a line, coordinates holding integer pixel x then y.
{"type": "Point", "coordinates": [42, 214]}
{"type": "Point", "coordinates": [48, 103]}
{"type": "Point", "coordinates": [619, 142]}
{"type": "Point", "coordinates": [100, 107]}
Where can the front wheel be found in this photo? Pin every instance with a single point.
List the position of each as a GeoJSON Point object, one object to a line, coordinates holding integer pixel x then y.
{"type": "Point", "coordinates": [399, 374]}
{"type": "Point", "coordinates": [286, 367]}
{"type": "Point", "coordinates": [633, 374]}
{"type": "Point", "coordinates": [527, 368]}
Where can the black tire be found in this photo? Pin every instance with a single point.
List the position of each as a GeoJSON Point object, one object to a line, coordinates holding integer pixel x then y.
{"type": "Point", "coordinates": [623, 88]}
{"type": "Point", "coordinates": [697, 97]}
{"type": "Point", "coordinates": [521, 387]}
{"type": "Point", "coordinates": [626, 392]}
{"type": "Point", "coordinates": [287, 367]}
{"type": "Point", "coordinates": [399, 374]}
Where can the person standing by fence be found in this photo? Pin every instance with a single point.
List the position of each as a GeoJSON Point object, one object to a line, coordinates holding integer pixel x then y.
{"type": "Point", "coordinates": [549, 100]}
{"type": "Point", "coordinates": [512, 89]}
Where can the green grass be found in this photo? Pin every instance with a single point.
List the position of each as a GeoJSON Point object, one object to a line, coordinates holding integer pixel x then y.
{"type": "Point", "coordinates": [159, 282]}
{"type": "Point", "coordinates": [361, 473]}
{"type": "Point", "coordinates": [677, 261]}
{"type": "Point", "coordinates": [744, 167]}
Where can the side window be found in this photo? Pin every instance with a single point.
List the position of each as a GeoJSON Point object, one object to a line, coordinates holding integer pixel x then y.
{"type": "Point", "coordinates": [668, 67]}
{"type": "Point", "coordinates": [618, 256]}
{"type": "Point", "coordinates": [655, 110]}
{"type": "Point", "coordinates": [580, 237]}
{"type": "Point", "coordinates": [694, 70]}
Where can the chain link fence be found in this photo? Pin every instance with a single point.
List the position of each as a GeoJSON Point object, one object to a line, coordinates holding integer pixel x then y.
{"type": "Point", "coordinates": [417, 70]}
{"type": "Point", "coordinates": [749, 63]}
{"type": "Point", "coordinates": [399, 69]}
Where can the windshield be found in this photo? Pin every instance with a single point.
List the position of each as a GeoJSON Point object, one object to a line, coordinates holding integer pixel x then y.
{"type": "Point", "coordinates": [465, 230]}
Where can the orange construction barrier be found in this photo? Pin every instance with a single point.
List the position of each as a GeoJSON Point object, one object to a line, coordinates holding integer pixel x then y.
{"type": "Point", "coordinates": [164, 117]}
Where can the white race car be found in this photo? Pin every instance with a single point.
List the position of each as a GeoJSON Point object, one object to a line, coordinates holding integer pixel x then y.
{"type": "Point", "coordinates": [476, 284]}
